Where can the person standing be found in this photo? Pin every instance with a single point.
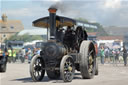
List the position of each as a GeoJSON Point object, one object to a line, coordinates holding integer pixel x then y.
{"type": "Point", "coordinates": [106, 52]}
{"type": "Point", "coordinates": [29, 53]}
{"type": "Point", "coordinates": [23, 53]}
{"type": "Point", "coordinates": [117, 52]}
{"type": "Point", "coordinates": [14, 55]}
{"type": "Point", "coordinates": [38, 51]}
{"type": "Point", "coordinates": [125, 56]}
{"type": "Point", "coordinates": [34, 51]}
{"type": "Point", "coordinates": [102, 55]}
{"type": "Point", "coordinates": [9, 55]}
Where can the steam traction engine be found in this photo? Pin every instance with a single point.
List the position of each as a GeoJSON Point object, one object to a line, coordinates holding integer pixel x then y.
{"type": "Point", "coordinates": [64, 52]}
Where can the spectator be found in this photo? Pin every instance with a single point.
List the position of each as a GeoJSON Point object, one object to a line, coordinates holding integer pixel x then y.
{"type": "Point", "coordinates": [102, 55]}
{"type": "Point", "coordinates": [14, 55]}
{"type": "Point", "coordinates": [106, 51]}
{"type": "Point", "coordinates": [34, 51]}
{"type": "Point", "coordinates": [23, 54]}
{"type": "Point", "coordinates": [29, 53]}
{"type": "Point", "coordinates": [116, 58]}
{"type": "Point", "coordinates": [111, 55]}
{"type": "Point", "coordinates": [38, 51]}
{"type": "Point", "coordinates": [125, 56]}
{"type": "Point", "coordinates": [9, 55]}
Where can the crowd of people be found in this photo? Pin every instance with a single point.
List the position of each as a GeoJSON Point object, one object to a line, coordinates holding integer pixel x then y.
{"type": "Point", "coordinates": [22, 55]}
{"type": "Point", "coordinates": [115, 56]}
{"type": "Point", "coordinates": [107, 55]}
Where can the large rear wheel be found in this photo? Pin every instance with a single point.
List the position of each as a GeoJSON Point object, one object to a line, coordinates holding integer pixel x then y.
{"type": "Point", "coordinates": [67, 68]}
{"type": "Point", "coordinates": [37, 70]}
{"type": "Point", "coordinates": [87, 59]}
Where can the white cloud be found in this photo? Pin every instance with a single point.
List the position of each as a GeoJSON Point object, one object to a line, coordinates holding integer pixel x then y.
{"type": "Point", "coordinates": [112, 4]}
{"type": "Point", "coordinates": [18, 12]}
{"type": "Point", "coordinates": [55, 0]}
{"type": "Point", "coordinates": [15, 0]}
{"type": "Point", "coordinates": [25, 12]}
{"type": "Point", "coordinates": [107, 12]}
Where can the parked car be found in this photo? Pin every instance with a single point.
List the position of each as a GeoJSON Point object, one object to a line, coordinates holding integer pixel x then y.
{"type": "Point", "coordinates": [3, 58]}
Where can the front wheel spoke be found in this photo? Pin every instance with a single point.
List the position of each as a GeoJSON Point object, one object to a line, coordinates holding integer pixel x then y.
{"type": "Point", "coordinates": [40, 65]}
{"type": "Point", "coordinates": [66, 64]}
{"type": "Point", "coordinates": [39, 62]}
{"type": "Point", "coordinates": [65, 69]}
{"type": "Point", "coordinates": [67, 76]}
{"type": "Point", "coordinates": [36, 63]}
{"type": "Point", "coordinates": [34, 68]}
{"type": "Point", "coordinates": [36, 73]}
{"type": "Point", "coordinates": [70, 73]}
{"type": "Point", "coordinates": [70, 64]}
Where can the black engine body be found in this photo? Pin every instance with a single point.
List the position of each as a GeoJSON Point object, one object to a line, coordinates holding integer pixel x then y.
{"type": "Point", "coordinates": [52, 53]}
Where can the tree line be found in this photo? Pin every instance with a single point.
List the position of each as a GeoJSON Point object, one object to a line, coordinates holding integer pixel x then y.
{"type": "Point", "coordinates": [25, 37]}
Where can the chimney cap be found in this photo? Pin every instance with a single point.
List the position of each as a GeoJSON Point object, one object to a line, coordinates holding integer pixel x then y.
{"type": "Point", "coordinates": [52, 10]}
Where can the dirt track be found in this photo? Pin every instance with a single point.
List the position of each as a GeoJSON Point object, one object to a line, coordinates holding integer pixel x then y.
{"type": "Point", "coordinates": [18, 74]}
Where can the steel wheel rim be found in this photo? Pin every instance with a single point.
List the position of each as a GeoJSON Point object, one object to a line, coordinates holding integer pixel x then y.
{"type": "Point", "coordinates": [38, 68]}
{"type": "Point", "coordinates": [68, 69]}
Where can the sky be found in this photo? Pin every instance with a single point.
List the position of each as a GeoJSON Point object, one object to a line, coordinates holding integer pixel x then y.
{"type": "Point", "coordinates": [105, 12]}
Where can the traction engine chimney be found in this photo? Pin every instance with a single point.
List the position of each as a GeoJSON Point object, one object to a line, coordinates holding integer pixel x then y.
{"type": "Point", "coordinates": [52, 22]}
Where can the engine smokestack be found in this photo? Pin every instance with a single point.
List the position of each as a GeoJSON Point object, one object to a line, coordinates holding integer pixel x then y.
{"type": "Point", "coordinates": [52, 22]}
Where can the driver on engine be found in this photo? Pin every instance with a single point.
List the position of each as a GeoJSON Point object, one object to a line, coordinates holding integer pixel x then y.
{"type": "Point", "coordinates": [69, 37]}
